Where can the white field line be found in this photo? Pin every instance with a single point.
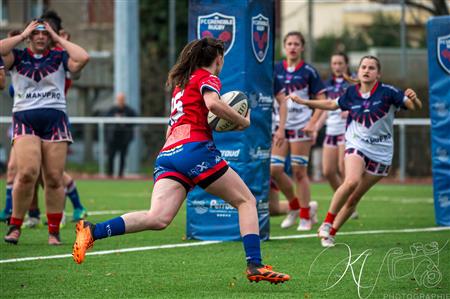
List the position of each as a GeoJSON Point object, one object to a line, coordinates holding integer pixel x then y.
{"type": "Point", "coordinates": [202, 243]}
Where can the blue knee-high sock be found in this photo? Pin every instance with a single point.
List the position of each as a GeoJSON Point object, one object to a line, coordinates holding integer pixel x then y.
{"type": "Point", "coordinates": [252, 249]}
{"type": "Point", "coordinates": [8, 205]}
{"type": "Point", "coordinates": [72, 193]}
{"type": "Point", "coordinates": [112, 227]}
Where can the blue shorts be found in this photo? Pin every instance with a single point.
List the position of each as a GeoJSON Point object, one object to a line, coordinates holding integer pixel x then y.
{"type": "Point", "coordinates": [194, 163]}
{"type": "Point", "coordinates": [48, 124]}
{"type": "Point", "coordinates": [334, 140]}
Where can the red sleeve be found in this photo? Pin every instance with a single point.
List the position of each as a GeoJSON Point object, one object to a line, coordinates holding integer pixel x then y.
{"type": "Point", "coordinates": [210, 82]}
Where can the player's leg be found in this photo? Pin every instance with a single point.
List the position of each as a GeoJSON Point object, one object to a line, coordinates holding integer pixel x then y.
{"type": "Point", "coordinates": [34, 213]}
{"type": "Point", "coordinates": [53, 164]}
{"type": "Point", "coordinates": [123, 156]}
{"type": "Point", "coordinates": [330, 162]}
{"type": "Point", "coordinates": [111, 151]}
{"type": "Point", "coordinates": [243, 200]}
{"type": "Point", "coordinates": [276, 207]}
{"type": "Point", "coordinates": [27, 152]}
{"type": "Point", "coordinates": [71, 190]}
{"type": "Point", "coordinates": [364, 185]}
{"type": "Point", "coordinates": [167, 197]}
{"type": "Point", "coordinates": [300, 151]}
{"type": "Point", "coordinates": [355, 167]}
{"type": "Point", "coordinates": [5, 214]}
{"type": "Point", "coordinates": [284, 182]}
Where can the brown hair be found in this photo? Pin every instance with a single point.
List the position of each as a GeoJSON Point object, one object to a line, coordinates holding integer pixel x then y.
{"type": "Point", "coordinates": [297, 34]}
{"type": "Point", "coordinates": [377, 61]}
{"type": "Point", "coordinates": [346, 60]}
{"type": "Point", "coordinates": [198, 53]}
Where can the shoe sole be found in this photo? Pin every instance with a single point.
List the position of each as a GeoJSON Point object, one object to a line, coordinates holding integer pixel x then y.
{"type": "Point", "coordinates": [258, 278]}
{"type": "Point", "coordinates": [12, 241]}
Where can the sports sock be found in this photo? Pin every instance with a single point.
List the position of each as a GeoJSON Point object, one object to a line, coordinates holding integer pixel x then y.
{"type": "Point", "coordinates": [35, 213]}
{"type": "Point", "coordinates": [16, 221]}
{"type": "Point", "coordinates": [72, 193]}
{"type": "Point", "coordinates": [112, 227]}
{"type": "Point", "coordinates": [293, 204]}
{"type": "Point", "coordinates": [8, 204]}
{"type": "Point", "coordinates": [53, 220]}
{"type": "Point", "coordinates": [330, 218]}
{"type": "Point", "coordinates": [333, 231]}
{"type": "Point", "coordinates": [252, 249]}
{"type": "Point", "coordinates": [304, 213]}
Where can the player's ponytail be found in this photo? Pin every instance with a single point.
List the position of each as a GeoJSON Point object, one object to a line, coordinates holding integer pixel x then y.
{"type": "Point", "coordinates": [196, 54]}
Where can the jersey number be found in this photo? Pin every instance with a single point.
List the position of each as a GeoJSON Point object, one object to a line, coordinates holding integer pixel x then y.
{"type": "Point", "coordinates": [176, 108]}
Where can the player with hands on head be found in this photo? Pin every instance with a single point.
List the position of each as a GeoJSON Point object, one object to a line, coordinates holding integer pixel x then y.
{"type": "Point", "coordinates": [40, 124]}
{"type": "Point", "coordinates": [189, 157]}
{"type": "Point", "coordinates": [369, 143]}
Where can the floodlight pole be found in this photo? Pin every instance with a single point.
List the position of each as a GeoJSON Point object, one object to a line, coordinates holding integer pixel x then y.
{"type": "Point", "coordinates": [126, 67]}
{"type": "Point", "coordinates": [403, 60]}
{"type": "Point", "coordinates": [310, 41]}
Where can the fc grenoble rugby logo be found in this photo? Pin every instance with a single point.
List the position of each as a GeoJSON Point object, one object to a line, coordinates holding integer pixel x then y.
{"type": "Point", "coordinates": [260, 36]}
{"type": "Point", "coordinates": [218, 26]}
{"type": "Point", "coordinates": [443, 52]}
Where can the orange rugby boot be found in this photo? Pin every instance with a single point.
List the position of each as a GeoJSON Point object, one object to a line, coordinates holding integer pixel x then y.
{"type": "Point", "coordinates": [83, 241]}
{"type": "Point", "coordinates": [264, 272]}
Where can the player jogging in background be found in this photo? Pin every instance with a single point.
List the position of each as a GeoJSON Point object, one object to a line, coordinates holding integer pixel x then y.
{"type": "Point", "coordinates": [40, 124]}
{"type": "Point", "coordinates": [189, 157]}
{"type": "Point", "coordinates": [295, 130]}
{"type": "Point", "coordinates": [369, 143]}
{"type": "Point", "coordinates": [334, 141]}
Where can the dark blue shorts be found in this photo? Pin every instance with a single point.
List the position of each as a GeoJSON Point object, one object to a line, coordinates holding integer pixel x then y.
{"type": "Point", "coordinates": [194, 163]}
{"type": "Point", "coordinates": [48, 124]}
{"type": "Point", "coordinates": [372, 167]}
{"type": "Point", "coordinates": [334, 140]}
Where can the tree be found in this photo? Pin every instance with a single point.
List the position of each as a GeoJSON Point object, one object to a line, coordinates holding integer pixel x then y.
{"type": "Point", "coordinates": [154, 35]}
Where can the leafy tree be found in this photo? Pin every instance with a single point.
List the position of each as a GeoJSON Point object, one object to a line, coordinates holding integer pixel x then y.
{"type": "Point", "coordinates": [154, 40]}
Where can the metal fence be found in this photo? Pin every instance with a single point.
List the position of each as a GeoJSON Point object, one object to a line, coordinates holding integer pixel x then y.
{"type": "Point", "coordinates": [412, 156]}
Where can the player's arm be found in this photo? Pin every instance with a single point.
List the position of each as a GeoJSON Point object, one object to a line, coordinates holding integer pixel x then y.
{"type": "Point", "coordinates": [8, 44]}
{"type": "Point", "coordinates": [280, 133]}
{"type": "Point", "coordinates": [413, 101]}
{"type": "Point", "coordinates": [222, 110]}
{"type": "Point", "coordinates": [328, 104]}
{"type": "Point", "coordinates": [78, 57]}
{"type": "Point", "coordinates": [317, 112]}
{"type": "Point", "coordinates": [2, 78]}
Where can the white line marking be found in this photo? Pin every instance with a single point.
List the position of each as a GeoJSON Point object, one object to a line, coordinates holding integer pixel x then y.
{"type": "Point", "coordinates": [112, 212]}
{"type": "Point", "coordinates": [202, 243]}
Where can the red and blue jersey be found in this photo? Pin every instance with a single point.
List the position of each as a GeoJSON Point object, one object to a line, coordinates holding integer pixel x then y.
{"type": "Point", "coordinates": [371, 120]}
{"type": "Point", "coordinates": [189, 117]}
{"type": "Point", "coordinates": [302, 80]}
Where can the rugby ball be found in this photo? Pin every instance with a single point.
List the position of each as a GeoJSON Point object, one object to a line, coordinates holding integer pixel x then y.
{"type": "Point", "coordinates": [236, 100]}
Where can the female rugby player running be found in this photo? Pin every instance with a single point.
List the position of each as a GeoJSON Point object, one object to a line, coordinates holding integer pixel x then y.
{"type": "Point", "coordinates": [369, 143]}
{"type": "Point", "coordinates": [189, 143]}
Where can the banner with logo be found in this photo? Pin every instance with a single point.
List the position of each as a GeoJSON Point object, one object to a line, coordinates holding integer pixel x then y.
{"type": "Point", "coordinates": [246, 27]}
{"type": "Point", "coordinates": [438, 34]}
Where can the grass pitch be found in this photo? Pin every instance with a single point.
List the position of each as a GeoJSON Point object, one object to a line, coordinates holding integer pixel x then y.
{"type": "Point", "coordinates": [385, 264]}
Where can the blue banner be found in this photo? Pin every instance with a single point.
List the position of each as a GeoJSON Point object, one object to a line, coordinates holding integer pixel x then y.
{"type": "Point", "coordinates": [438, 32]}
{"type": "Point", "coordinates": [247, 28]}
